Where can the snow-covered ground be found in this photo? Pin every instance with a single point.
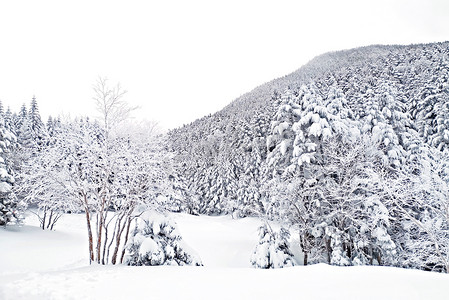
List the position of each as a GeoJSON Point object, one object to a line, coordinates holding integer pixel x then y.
{"type": "Point", "coordinates": [36, 264]}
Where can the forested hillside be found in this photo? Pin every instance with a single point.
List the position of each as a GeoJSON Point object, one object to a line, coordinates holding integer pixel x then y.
{"type": "Point", "coordinates": [351, 149]}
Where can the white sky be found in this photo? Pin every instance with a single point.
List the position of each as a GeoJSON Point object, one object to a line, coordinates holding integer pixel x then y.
{"type": "Point", "coordinates": [180, 60]}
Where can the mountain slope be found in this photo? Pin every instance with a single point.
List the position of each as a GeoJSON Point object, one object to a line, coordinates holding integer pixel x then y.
{"type": "Point", "coordinates": [221, 156]}
{"type": "Point", "coordinates": [351, 150]}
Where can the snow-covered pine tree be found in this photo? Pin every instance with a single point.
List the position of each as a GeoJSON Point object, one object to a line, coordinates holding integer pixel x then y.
{"type": "Point", "coordinates": [302, 123]}
{"type": "Point", "coordinates": [11, 208]}
{"type": "Point", "coordinates": [387, 124]}
{"type": "Point", "coordinates": [272, 250]}
{"type": "Point", "coordinates": [50, 126]}
{"type": "Point", "coordinates": [32, 134]}
{"type": "Point", "coordinates": [38, 131]}
{"type": "Point", "coordinates": [9, 121]}
{"type": "Point", "coordinates": [338, 256]}
{"type": "Point", "coordinates": [156, 241]}
{"type": "Point", "coordinates": [431, 113]}
{"type": "Point", "coordinates": [17, 121]}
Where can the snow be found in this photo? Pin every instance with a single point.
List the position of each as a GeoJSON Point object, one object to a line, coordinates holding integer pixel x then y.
{"type": "Point", "coordinates": [282, 127]}
{"type": "Point", "coordinates": [327, 133]}
{"type": "Point", "coordinates": [315, 129]}
{"type": "Point", "coordinates": [30, 249]}
{"type": "Point", "coordinates": [310, 146]}
{"type": "Point", "coordinates": [284, 146]}
{"type": "Point", "coordinates": [220, 241]}
{"type": "Point", "coordinates": [5, 187]}
{"type": "Point", "coordinates": [148, 246]}
{"type": "Point", "coordinates": [3, 173]}
{"type": "Point", "coordinates": [38, 264]}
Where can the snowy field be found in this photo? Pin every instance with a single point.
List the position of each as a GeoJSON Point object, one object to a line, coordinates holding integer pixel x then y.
{"type": "Point", "coordinates": [36, 264]}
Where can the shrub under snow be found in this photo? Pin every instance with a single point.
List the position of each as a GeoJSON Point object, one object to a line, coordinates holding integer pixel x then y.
{"type": "Point", "coordinates": [272, 251]}
{"type": "Point", "coordinates": [156, 241]}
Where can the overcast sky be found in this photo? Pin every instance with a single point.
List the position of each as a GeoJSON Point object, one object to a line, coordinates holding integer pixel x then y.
{"type": "Point", "coordinates": [180, 60]}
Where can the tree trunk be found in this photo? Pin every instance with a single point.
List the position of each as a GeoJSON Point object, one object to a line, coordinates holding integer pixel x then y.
{"type": "Point", "coordinates": [89, 230]}
{"type": "Point", "coordinates": [329, 250]}
{"type": "Point", "coordinates": [91, 241]}
{"type": "Point", "coordinates": [43, 219]}
{"type": "Point", "coordinates": [105, 243]}
{"type": "Point", "coordinates": [100, 229]}
{"type": "Point", "coordinates": [379, 259]}
{"type": "Point", "coordinates": [348, 249]}
{"type": "Point", "coordinates": [126, 239]}
{"type": "Point", "coordinates": [117, 242]}
{"type": "Point", "coordinates": [50, 219]}
{"type": "Point", "coordinates": [55, 219]}
{"type": "Point", "coordinates": [304, 247]}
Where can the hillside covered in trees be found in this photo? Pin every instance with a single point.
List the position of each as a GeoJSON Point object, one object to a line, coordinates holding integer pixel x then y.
{"type": "Point", "coordinates": [351, 150]}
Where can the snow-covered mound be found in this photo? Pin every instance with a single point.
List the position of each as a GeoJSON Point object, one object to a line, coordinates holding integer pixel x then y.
{"type": "Point", "coordinates": [31, 249]}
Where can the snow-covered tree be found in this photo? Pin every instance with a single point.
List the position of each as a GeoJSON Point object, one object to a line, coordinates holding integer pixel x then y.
{"type": "Point", "coordinates": [43, 179]}
{"type": "Point", "coordinates": [272, 250]}
{"type": "Point", "coordinates": [302, 123]}
{"type": "Point", "coordinates": [156, 241]}
{"type": "Point", "coordinates": [356, 215]}
{"type": "Point", "coordinates": [32, 133]}
{"type": "Point", "coordinates": [9, 121]}
{"type": "Point", "coordinates": [140, 177]}
{"type": "Point", "coordinates": [338, 210]}
{"type": "Point", "coordinates": [11, 208]}
{"type": "Point", "coordinates": [38, 129]}
{"type": "Point", "coordinates": [19, 119]}
{"type": "Point", "coordinates": [421, 202]}
{"type": "Point", "coordinates": [106, 175]}
{"type": "Point", "coordinates": [296, 202]}
{"type": "Point", "coordinates": [432, 110]}
{"type": "Point", "coordinates": [386, 121]}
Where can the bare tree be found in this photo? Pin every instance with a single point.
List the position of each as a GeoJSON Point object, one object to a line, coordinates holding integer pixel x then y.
{"type": "Point", "coordinates": [110, 103]}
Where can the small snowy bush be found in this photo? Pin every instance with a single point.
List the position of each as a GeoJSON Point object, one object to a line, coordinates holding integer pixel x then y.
{"type": "Point", "coordinates": [156, 241]}
{"type": "Point", "coordinates": [272, 251]}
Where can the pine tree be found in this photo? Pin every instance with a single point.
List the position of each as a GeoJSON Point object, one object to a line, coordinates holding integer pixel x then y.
{"type": "Point", "coordinates": [19, 119]}
{"type": "Point", "coordinates": [10, 207]}
{"type": "Point", "coordinates": [37, 128]}
{"type": "Point", "coordinates": [272, 250]}
{"type": "Point", "coordinates": [9, 121]}
{"type": "Point", "coordinates": [50, 126]}
{"type": "Point", "coordinates": [156, 241]}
